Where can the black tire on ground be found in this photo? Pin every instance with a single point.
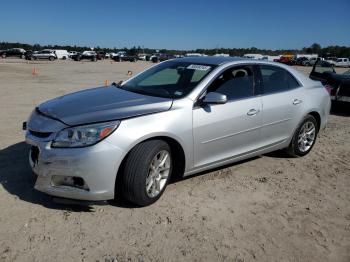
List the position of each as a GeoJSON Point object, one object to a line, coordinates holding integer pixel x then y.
{"type": "Point", "coordinates": [23, 56]}
{"type": "Point", "coordinates": [136, 170]}
{"type": "Point", "coordinates": [293, 148]}
{"type": "Point", "coordinates": [51, 58]}
{"type": "Point", "coordinates": [3, 56]}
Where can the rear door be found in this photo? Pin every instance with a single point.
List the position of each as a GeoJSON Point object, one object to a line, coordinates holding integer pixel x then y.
{"type": "Point", "coordinates": [282, 104]}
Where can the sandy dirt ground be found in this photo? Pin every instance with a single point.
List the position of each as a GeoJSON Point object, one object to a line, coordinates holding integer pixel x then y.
{"type": "Point", "coordinates": [270, 208]}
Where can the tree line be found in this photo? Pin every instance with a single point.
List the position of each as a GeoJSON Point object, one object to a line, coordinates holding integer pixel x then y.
{"type": "Point", "coordinates": [338, 51]}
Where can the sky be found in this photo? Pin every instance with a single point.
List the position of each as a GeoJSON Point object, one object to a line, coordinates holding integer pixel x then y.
{"type": "Point", "coordinates": [177, 24]}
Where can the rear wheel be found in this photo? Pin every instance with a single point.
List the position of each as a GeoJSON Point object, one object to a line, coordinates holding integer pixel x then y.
{"type": "Point", "coordinates": [304, 137]}
{"type": "Point", "coordinates": [51, 58]}
{"type": "Point", "coordinates": [147, 171]}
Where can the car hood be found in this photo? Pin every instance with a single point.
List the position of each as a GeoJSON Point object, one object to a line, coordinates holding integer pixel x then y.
{"type": "Point", "coordinates": [102, 104]}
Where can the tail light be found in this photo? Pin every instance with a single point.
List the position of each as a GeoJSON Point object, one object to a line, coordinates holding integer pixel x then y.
{"type": "Point", "coordinates": [328, 88]}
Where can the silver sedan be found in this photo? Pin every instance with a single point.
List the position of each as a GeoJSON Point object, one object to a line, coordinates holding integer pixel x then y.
{"type": "Point", "coordinates": [177, 118]}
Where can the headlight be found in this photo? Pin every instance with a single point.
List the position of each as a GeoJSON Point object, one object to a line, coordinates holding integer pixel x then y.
{"type": "Point", "coordinates": [81, 136]}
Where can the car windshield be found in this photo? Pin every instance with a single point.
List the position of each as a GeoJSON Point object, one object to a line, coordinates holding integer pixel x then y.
{"type": "Point", "coordinates": [171, 79]}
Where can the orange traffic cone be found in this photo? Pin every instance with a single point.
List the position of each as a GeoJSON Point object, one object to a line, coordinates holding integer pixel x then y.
{"type": "Point", "coordinates": [106, 83]}
{"type": "Point", "coordinates": [34, 72]}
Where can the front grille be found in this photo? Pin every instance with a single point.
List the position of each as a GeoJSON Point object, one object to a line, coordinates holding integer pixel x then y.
{"type": "Point", "coordinates": [40, 134]}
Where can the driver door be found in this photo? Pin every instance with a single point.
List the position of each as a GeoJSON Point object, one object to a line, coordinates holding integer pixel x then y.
{"type": "Point", "coordinates": [222, 131]}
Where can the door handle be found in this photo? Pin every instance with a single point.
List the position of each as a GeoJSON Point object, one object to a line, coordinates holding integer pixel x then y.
{"type": "Point", "coordinates": [297, 101]}
{"type": "Point", "coordinates": [253, 112]}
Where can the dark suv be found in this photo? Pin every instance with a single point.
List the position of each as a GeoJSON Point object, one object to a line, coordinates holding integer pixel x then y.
{"type": "Point", "coordinates": [13, 52]}
{"type": "Point", "coordinates": [86, 55]}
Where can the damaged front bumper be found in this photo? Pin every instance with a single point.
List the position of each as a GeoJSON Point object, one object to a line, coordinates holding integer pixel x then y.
{"type": "Point", "coordinates": [87, 173]}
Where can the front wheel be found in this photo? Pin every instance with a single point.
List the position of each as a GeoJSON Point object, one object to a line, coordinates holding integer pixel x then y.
{"type": "Point", "coordinates": [146, 172]}
{"type": "Point", "coordinates": [304, 137]}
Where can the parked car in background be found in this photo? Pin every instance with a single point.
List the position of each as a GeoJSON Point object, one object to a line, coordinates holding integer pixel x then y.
{"type": "Point", "coordinates": [13, 52]}
{"type": "Point", "coordinates": [174, 119]}
{"type": "Point", "coordinates": [312, 61]}
{"type": "Point", "coordinates": [342, 62]}
{"type": "Point", "coordinates": [159, 57]}
{"type": "Point", "coordinates": [86, 55]}
{"type": "Point", "coordinates": [338, 85]}
{"type": "Point", "coordinates": [300, 61]}
{"type": "Point", "coordinates": [124, 56]}
{"type": "Point", "coordinates": [43, 54]}
{"type": "Point", "coordinates": [119, 53]}
{"type": "Point", "coordinates": [331, 60]}
{"type": "Point", "coordinates": [28, 54]}
{"type": "Point", "coordinates": [285, 59]}
{"type": "Point", "coordinates": [142, 57]}
{"type": "Point", "coordinates": [72, 54]}
{"type": "Point", "coordinates": [100, 55]}
{"type": "Point", "coordinates": [112, 54]}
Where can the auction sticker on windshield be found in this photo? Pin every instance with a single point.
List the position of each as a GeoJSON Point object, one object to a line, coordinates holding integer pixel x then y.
{"type": "Point", "coordinates": [199, 67]}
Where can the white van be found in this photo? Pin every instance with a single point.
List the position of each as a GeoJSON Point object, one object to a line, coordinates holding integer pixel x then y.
{"type": "Point", "coordinates": [342, 62]}
{"type": "Point", "coordinates": [61, 54]}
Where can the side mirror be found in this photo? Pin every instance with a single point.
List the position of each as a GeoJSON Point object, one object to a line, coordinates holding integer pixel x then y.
{"type": "Point", "coordinates": [214, 98]}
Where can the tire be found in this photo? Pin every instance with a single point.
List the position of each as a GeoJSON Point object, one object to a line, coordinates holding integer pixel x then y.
{"type": "Point", "coordinates": [297, 147]}
{"type": "Point", "coordinates": [23, 56]}
{"type": "Point", "coordinates": [3, 56]}
{"type": "Point", "coordinates": [137, 172]}
{"type": "Point", "coordinates": [51, 58]}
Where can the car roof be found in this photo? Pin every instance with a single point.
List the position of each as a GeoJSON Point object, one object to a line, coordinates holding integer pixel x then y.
{"type": "Point", "coordinates": [222, 60]}
{"type": "Point", "coordinates": [211, 60]}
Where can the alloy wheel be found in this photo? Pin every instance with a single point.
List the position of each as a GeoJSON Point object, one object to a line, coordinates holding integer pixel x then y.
{"type": "Point", "coordinates": [158, 173]}
{"type": "Point", "coordinates": [306, 137]}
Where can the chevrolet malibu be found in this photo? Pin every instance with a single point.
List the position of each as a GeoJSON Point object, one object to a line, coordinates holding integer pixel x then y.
{"type": "Point", "coordinates": [177, 118]}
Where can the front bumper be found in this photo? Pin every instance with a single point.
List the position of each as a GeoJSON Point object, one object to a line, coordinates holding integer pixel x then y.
{"type": "Point", "coordinates": [97, 165]}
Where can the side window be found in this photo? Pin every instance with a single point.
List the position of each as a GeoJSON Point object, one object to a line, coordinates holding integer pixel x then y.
{"type": "Point", "coordinates": [235, 83]}
{"type": "Point", "coordinates": [276, 79]}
